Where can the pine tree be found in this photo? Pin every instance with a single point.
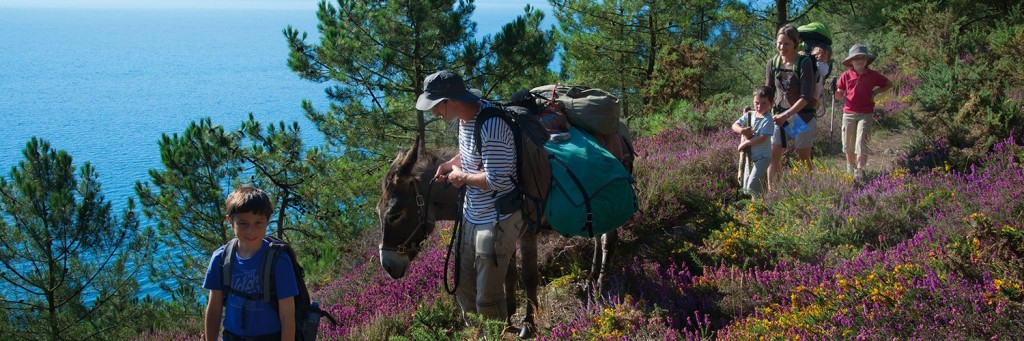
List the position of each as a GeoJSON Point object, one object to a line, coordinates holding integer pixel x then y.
{"type": "Point", "coordinates": [379, 52]}
{"type": "Point", "coordinates": [186, 201]}
{"type": "Point", "coordinates": [614, 44]}
{"type": "Point", "coordinates": [69, 263]}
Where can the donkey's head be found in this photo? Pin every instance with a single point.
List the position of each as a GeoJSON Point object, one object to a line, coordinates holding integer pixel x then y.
{"type": "Point", "coordinates": [410, 204]}
{"type": "Point", "coordinates": [400, 209]}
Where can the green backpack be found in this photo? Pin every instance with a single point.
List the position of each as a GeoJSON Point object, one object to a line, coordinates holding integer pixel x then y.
{"type": "Point", "coordinates": [591, 191]}
{"type": "Point", "coordinates": [814, 34]}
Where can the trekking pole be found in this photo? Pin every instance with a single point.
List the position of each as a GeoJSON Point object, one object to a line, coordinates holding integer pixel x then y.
{"type": "Point", "coordinates": [832, 112]}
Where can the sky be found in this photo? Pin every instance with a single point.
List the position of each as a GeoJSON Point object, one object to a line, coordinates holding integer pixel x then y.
{"type": "Point", "coordinates": [511, 5]}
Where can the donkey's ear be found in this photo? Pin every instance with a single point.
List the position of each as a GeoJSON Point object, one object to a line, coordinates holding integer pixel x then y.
{"type": "Point", "coordinates": [409, 160]}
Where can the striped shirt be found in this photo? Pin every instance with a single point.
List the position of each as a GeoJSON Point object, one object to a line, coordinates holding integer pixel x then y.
{"type": "Point", "coordinates": [498, 159]}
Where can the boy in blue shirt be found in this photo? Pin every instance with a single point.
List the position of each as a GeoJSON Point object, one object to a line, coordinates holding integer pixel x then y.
{"type": "Point", "coordinates": [757, 127]}
{"type": "Point", "coordinates": [246, 315]}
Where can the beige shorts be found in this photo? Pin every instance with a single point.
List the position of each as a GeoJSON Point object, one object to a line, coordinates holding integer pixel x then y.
{"type": "Point", "coordinates": [857, 133]}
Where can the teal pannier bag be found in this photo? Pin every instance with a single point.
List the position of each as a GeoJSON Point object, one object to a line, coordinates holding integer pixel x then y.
{"type": "Point", "coordinates": [591, 192]}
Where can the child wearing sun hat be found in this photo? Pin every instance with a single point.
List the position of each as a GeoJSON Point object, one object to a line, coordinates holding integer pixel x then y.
{"type": "Point", "coordinates": [858, 86]}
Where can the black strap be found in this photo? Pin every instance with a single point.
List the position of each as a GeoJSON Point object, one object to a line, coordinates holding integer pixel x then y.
{"type": "Point", "coordinates": [268, 285]}
{"type": "Point", "coordinates": [225, 270]}
{"type": "Point", "coordinates": [488, 113]}
{"type": "Point", "coordinates": [267, 279]}
{"type": "Point", "coordinates": [456, 239]}
{"type": "Point", "coordinates": [589, 224]}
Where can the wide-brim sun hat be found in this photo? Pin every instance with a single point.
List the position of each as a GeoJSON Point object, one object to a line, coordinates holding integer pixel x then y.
{"type": "Point", "coordinates": [858, 50]}
{"type": "Point", "coordinates": [443, 85]}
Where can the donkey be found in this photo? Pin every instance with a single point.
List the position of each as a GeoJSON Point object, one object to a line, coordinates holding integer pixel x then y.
{"type": "Point", "coordinates": [411, 203]}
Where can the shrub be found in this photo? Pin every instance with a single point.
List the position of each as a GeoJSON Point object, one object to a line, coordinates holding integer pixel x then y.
{"type": "Point", "coordinates": [685, 181]}
{"type": "Point", "coordinates": [369, 303]}
{"type": "Point", "coordinates": [620, 319]}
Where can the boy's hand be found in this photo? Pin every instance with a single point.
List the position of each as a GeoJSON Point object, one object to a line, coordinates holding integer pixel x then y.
{"type": "Point", "coordinates": [747, 132]}
{"type": "Point", "coordinates": [743, 145]}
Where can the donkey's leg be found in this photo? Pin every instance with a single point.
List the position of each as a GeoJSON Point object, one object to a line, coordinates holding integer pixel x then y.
{"type": "Point", "coordinates": [596, 268]}
{"type": "Point", "coordinates": [511, 284]}
{"type": "Point", "coordinates": [531, 279]}
{"type": "Point", "coordinates": [608, 243]}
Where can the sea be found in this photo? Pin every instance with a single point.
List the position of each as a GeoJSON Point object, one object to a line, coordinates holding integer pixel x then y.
{"type": "Point", "coordinates": [105, 82]}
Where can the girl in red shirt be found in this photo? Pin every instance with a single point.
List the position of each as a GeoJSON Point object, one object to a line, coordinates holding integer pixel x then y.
{"type": "Point", "coordinates": [858, 86]}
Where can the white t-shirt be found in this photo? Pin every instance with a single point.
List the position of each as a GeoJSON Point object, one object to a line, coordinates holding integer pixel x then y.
{"type": "Point", "coordinates": [820, 82]}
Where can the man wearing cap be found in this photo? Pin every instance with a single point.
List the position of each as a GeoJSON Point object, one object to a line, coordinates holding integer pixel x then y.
{"type": "Point", "coordinates": [858, 86]}
{"type": "Point", "coordinates": [487, 236]}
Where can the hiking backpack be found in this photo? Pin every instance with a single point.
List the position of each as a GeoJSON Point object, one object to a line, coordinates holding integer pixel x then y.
{"type": "Point", "coordinates": [307, 313]}
{"type": "Point", "coordinates": [795, 80]}
{"type": "Point", "coordinates": [591, 190]}
{"type": "Point", "coordinates": [814, 34]}
{"type": "Point", "coordinates": [533, 171]}
{"type": "Point", "coordinates": [579, 187]}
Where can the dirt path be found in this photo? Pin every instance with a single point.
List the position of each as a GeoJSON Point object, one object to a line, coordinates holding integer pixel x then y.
{"type": "Point", "coordinates": [887, 146]}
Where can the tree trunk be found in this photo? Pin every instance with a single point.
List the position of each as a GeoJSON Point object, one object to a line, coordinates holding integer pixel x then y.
{"type": "Point", "coordinates": [781, 13]}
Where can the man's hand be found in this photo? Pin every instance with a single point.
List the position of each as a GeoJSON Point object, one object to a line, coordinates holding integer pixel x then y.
{"type": "Point", "coordinates": [457, 177]}
{"type": "Point", "coordinates": [443, 171]}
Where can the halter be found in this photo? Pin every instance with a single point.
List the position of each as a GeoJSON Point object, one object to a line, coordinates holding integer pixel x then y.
{"type": "Point", "coordinates": [421, 208]}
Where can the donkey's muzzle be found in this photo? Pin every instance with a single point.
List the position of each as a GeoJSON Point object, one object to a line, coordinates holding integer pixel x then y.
{"type": "Point", "coordinates": [394, 263]}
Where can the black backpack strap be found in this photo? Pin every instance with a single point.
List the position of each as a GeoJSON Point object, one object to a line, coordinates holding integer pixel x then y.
{"type": "Point", "coordinates": [589, 224]}
{"type": "Point", "coordinates": [483, 116]}
{"type": "Point", "coordinates": [487, 114]}
{"type": "Point", "coordinates": [268, 285]}
{"type": "Point", "coordinates": [225, 267]}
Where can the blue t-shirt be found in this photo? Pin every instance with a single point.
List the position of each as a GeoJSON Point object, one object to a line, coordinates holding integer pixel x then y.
{"type": "Point", "coordinates": [260, 317]}
{"type": "Point", "coordinates": [762, 125]}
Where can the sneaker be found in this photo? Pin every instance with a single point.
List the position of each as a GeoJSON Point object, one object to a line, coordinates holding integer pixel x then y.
{"type": "Point", "coordinates": [858, 174]}
{"type": "Point", "coordinates": [849, 168]}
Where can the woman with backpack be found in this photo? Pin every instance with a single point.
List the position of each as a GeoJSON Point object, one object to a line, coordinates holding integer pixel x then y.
{"type": "Point", "coordinates": [791, 76]}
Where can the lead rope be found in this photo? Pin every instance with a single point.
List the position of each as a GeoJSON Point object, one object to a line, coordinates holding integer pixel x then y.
{"type": "Point", "coordinates": [456, 238]}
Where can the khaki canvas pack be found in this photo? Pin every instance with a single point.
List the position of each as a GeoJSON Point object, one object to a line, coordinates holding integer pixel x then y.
{"type": "Point", "coordinates": [594, 110]}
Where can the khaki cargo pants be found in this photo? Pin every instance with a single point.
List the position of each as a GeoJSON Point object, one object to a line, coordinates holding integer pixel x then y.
{"type": "Point", "coordinates": [486, 251]}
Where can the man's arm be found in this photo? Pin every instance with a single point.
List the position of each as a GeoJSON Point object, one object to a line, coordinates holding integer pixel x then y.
{"type": "Point", "coordinates": [214, 308]}
{"type": "Point", "coordinates": [459, 178]}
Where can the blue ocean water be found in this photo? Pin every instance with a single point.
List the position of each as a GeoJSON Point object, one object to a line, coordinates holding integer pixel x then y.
{"type": "Point", "coordinates": [104, 84]}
